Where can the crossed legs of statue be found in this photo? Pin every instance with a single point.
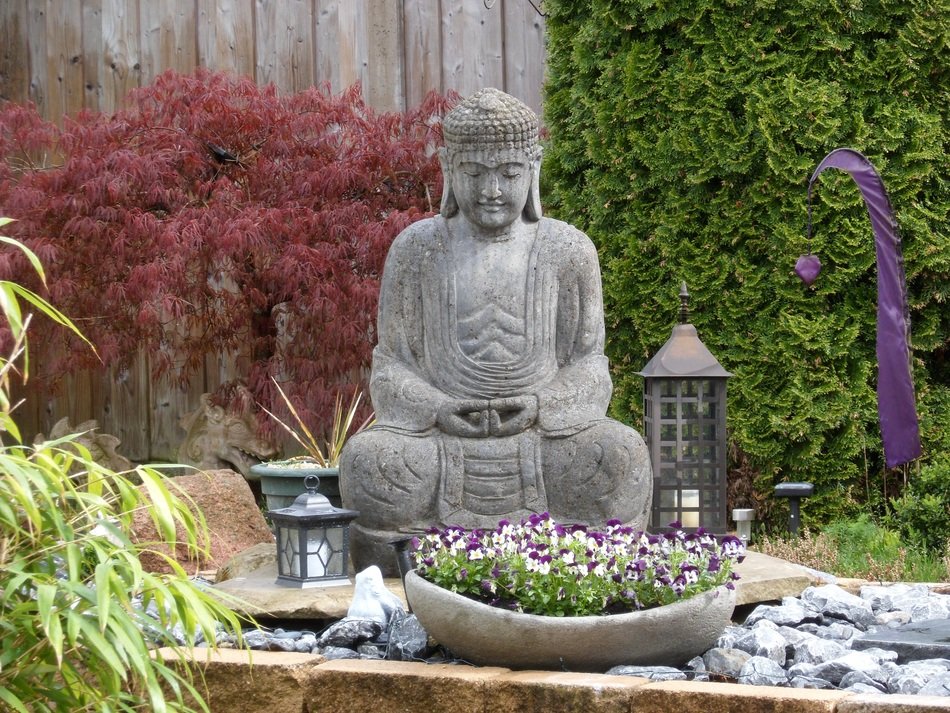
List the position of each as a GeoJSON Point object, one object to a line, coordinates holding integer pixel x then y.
{"type": "Point", "coordinates": [403, 483]}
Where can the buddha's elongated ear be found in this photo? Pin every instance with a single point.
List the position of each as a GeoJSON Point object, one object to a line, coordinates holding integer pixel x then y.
{"type": "Point", "coordinates": [450, 206]}
{"type": "Point", "coordinates": [532, 207]}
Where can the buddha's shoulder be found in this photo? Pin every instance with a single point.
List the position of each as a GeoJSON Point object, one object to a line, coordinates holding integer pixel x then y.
{"type": "Point", "coordinates": [564, 236]}
{"type": "Point", "coordinates": [421, 236]}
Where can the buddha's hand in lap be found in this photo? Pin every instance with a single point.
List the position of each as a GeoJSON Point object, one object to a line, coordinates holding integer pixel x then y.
{"type": "Point", "coordinates": [464, 418]}
{"type": "Point", "coordinates": [512, 415]}
{"type": "Point", "coordinates": [479, 418]}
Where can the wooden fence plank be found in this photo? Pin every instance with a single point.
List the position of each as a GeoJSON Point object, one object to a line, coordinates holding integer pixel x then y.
{"type": "Point", "coordinates": [265, 48]}
{"type": "Point", "coordinates": [14, 51]}
{"type": "Point", "coordinates": [471, 46]}
{"type": "Point", "coordinates": [64, 57]}
{"type": "Point", "coordinates": [226, 35]}
{"type": "Point", "coordinates": [121, 51]}
{"type": "Point", "coordinates": [524, 51]}
{"type": "Point", "coordinates": [92, 65]}
{"type": "Point", "coordinates": [168, 37]}
{"type": "Point", "coordinates": [422, 48]}
{"type": "Point", "coordinates": [285, 44]}
{"type": "Point", "coordinates": [333, 52]}
{"type": "Point", "coordinates": [353, 44]}
{"type": "Point", "coordinates": [384, 83]}
{"type": "Point", "coordinates": [36, 29]}
{"type": "Point", "coordinates": [168, 403]}
{"type": "Point", "coordinates": [125, 397]}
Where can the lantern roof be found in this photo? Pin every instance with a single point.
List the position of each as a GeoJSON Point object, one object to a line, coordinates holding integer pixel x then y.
{"type": "Point", "coordinates": [311, 507]}
{"type": "Point", "coordinates": [684, 354]}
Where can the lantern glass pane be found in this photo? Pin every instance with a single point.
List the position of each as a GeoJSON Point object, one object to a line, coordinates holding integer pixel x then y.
{"type": "Point", "coordinates": [690, 452]}
{"type": "Point", "coordinates": [690, 409]}
{"type": "Point", "coordinates": [689, 388]}
{"type": "Point", "coordinates": [668, 432]}
{"type": "Point", "coordinates": [712, 518]}
{"type": "Point", "coordinates": [690, 431]}
{"type": "Point", "coordinates": [318, 552]}
{"type": "Point", "coordinates": [668, 409]}
{"type": "Point", "coordinates": [710, 453]}
{"type": "Point", "coordinates": [669, 498]}
{"type": "Point", "coordinates": [690, 476]}
{"type": "Point", "coordinates": [325, 552]}
{"type": "Point", "coordinates": [289, 563]}
{"type": "Point", "coordinates": [668, 454]}
{"type": "Point", "coordinates": [690, 499]}
{"type": "Point", "coordinates": [668, 516]}
{"type": "Point", "coordinates": [667, 387]}
{"type": "Point", "coordinates": [337, 565]}
{"type": "Point", "coordinates": [708, 409]}
{"type": "Point", "coordinates": [709, 431]}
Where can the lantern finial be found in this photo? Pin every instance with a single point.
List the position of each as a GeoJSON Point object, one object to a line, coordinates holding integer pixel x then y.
{"type": "Point", "coordinates": [684, 304]}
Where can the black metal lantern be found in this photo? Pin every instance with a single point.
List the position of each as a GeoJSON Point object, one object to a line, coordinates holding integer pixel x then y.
{"type": "Point", "coordinates": [313, 540]}
{"type": "Point", "coordinates": [684, 413]}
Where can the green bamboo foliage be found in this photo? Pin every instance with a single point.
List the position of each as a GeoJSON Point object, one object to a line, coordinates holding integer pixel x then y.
{"type": "Point", "coordinates": [74, 635]}
{"type": "Point", "coordinates": [683, 135]}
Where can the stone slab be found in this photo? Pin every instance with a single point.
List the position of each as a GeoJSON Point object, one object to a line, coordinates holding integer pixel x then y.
{"type": "Point", "coordinates": [912, 642]}
{"type": "Point", "coordinates": [694, 697]}
{"type": "Point", "coordinates": [247, 681]}
{"type": "Point", "coordinates": [762, 578]}
{"type": "Point", "coordinates": [256, 593]}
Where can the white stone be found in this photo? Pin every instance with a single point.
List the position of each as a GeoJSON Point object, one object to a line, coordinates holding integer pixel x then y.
{"type": "Point", "coordinates": [371, 599]}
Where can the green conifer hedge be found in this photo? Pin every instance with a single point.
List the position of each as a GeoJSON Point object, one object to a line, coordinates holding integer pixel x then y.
{"type": "Point", "coordinates": [683, 135]}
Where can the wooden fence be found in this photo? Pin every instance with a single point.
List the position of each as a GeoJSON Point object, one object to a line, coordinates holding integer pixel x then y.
{"type": "Point", "coordinates": [67, 55]}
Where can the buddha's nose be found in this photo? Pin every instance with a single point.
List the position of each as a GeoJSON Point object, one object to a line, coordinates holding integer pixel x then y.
{"type": "Point", "coordinates": [491, 189]}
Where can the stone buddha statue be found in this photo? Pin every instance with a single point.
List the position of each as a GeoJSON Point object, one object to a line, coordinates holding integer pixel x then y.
{"type": "Point", "coordinates": [489, 380]}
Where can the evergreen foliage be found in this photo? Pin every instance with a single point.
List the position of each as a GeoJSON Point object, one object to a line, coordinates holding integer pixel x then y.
{"type": "Point", "coordinates": [214, 215]}
{"type": "Point", "coordinates": [922, 513]}
{"type": "Point", "coordinates": [683, 135]}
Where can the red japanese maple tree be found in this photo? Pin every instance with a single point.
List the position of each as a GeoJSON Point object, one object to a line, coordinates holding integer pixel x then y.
{"type": "Point", "coordinates": [214, 215]}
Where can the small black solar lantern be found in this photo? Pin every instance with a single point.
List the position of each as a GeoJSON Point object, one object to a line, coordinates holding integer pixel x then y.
{"type": "Point", "coordinates": [684, 413]}
{"type": "Point", "coordinates": [313, 540]}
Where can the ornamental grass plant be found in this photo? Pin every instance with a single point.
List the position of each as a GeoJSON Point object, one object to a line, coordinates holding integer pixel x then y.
{"type": "Point", "coordinates": [539, 566]}
{"type": "Point", "coordinates": [78, 614]}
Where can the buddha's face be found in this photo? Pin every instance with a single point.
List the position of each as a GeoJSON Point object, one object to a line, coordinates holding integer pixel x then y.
{"type": "Point", "coordinates": [491, 189]}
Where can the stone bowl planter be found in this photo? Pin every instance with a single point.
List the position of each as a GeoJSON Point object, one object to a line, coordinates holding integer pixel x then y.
{"type": "Point", "coordinates": [485, 635]}
{"type": "Point", "coordinates": [283, 481]}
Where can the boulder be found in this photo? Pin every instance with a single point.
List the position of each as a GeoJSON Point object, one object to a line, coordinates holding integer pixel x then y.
{"type": "Point", "coordinates": [234, 521]}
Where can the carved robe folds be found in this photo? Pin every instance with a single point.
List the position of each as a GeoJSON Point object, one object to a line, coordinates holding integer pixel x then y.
{"type": "Point", "coordinates": [440, 342]}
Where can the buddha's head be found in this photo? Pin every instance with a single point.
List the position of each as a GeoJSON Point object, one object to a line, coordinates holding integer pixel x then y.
{"type": "Point", "coordinates": [491, 161]}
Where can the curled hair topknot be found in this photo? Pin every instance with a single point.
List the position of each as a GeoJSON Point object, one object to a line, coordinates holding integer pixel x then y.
{"type": "Point", "coordinates": [490, 120]}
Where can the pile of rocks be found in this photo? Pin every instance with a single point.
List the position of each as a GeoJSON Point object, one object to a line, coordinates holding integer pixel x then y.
{"type": "Point", "coordinates": [828, 638]}
{"type": "Point", "coordinates": [402, 639]}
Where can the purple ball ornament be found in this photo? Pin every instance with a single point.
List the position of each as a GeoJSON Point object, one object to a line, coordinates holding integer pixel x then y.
{"type": "Point", "coordinates": [807, 268]}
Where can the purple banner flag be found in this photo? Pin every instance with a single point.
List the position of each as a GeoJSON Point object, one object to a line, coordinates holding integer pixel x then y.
{"type": "Point", "coordinates": [895, 387]}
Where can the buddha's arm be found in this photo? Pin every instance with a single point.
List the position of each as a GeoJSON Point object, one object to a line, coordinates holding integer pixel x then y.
{"type": "Point", "coordinates": [402, 397]}
{"type": "Point", "coordinates": [581, 389]}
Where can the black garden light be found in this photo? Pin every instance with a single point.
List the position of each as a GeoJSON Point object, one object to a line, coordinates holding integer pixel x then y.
{"type": "Point", "coordinates": [684, 412]}
{"type": "Point", "coordinates": [313, 540]}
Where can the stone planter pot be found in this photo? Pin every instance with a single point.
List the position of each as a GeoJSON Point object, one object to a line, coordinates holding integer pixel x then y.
{"type": "Point", "coordinates": [488, 636]}
{"type": "Point", "coordinates": [283, 481]}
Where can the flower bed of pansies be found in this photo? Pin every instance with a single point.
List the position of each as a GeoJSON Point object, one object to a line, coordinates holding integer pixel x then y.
{"type": "Point", "coordinates": [539, 566]}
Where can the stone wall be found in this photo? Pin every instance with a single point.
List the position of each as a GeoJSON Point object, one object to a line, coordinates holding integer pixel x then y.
{"type": "Point", "coordinates": [235, 681]}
